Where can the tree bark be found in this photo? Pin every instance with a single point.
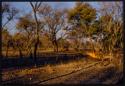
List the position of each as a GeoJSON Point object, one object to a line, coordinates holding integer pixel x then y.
{"type": "Point", "coordinates": [56, 44]}
{"type": "Point", "coordinates": [35, 49]}
{"type": "Point", "coordinates": [7, 49]}
{"type": "Point", "coordinates": [35, 8]}
{"type": "Point", "coordinates": [20, 52]}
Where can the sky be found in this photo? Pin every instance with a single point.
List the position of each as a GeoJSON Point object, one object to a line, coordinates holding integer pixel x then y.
{"type": "Point", "coordinates": [25, 7]}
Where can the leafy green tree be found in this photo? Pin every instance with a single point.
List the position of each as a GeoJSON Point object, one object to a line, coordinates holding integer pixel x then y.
{"type": "Point", "coordinates": [81, 14]}
{"type": "Point", "coordinates": [81, 17]}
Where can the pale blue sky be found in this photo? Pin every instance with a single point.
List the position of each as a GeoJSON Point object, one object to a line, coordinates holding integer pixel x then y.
{"type": "Point", "coordinates": [25, 7]}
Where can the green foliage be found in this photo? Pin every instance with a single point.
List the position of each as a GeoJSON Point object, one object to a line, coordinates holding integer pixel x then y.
{"type": "Point", "coordinates": [82, 13]}
{"type": "Point", "coordinates": [81, 17]}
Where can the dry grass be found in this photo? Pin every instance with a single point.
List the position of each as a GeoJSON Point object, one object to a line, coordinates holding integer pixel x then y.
{"type": "Point", "coordinates": [15, 53]}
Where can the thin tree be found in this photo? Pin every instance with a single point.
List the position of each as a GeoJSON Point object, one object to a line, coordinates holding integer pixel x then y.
{"type": "Point", "coordinates": [26, 26]}
{"type": "Point", "coordinates": [55, 22]}
{"type": "Point", "coordinates": [35, 8]}
{"type": "Point", "coordinates": [9, 13]}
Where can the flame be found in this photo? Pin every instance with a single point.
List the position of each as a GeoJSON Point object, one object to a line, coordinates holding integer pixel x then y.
{"type": "Point", "coordinates": [92, 55]}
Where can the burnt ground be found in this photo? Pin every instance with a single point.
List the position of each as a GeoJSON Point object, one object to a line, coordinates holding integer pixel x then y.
{"type": "Point", "coordinates": [42, 59]}
{"type": "Point", "coordinates": [93, 75]}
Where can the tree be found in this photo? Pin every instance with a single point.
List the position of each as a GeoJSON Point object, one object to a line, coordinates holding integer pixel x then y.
{"type": "Point", "coordinates": [55, 22]}
{"type": "Point", "coordinates": [26, 25]}
{"type": "Point", "coordinates": [18, 43]}
{"type": "Point", "coordinates": [35, 8]}
{"type": "Point", "coordinates": [5, 40]}
{"type": "Point", "coordinates": [81, 18]}
{"type": "Point", "coordinates": [111, 24]}
{"type": "Point", "coordinates": [82, 13]}
{"type": "Point", "coordinates": [9, 12]}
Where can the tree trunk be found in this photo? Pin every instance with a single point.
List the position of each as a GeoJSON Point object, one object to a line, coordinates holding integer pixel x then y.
{"type": "Point", "coordinates": [35, 9]}
{"type": "Point", "coordinates": [7, 49]}
{"type": "Point", "coordinates": [93, 46]}
{"type": "Point", "coordinates": [56, 44]}
{"type": "Point", "coordinates": [20, 52]}
{"type": "Point", "coordinates": [54, 47]}
{"type": "Point", "coordinates": [53, 43]}
{"type": "Point", "coordinates": [30, 53]}
{"type": "Point", "coordinates": [35, 50]}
